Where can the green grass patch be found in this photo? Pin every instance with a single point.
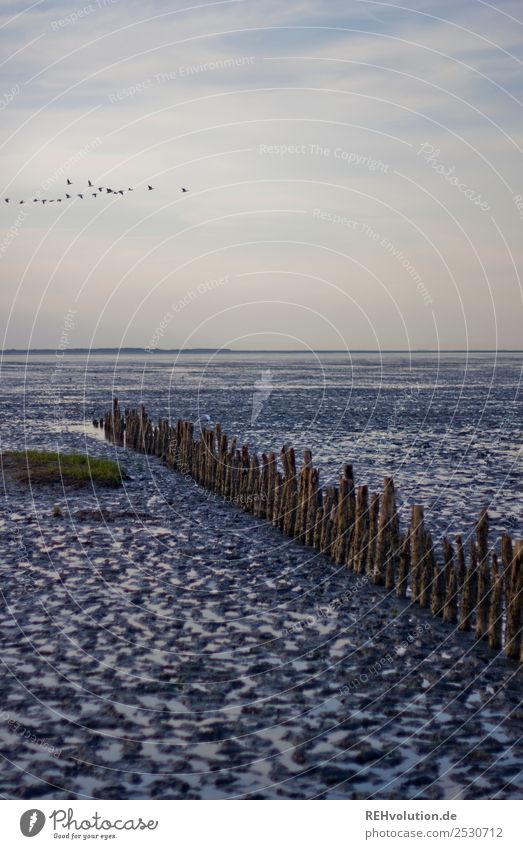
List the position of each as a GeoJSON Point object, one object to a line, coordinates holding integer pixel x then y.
{"type": "Point", "coordinates": [34, 467]}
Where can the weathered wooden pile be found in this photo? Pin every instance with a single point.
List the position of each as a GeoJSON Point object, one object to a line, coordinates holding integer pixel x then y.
{"type": "Point", "coordinates": [476, 589]}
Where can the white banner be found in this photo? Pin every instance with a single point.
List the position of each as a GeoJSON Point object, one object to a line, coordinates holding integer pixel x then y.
{"type": "Point", "coordinates": [249, 825]}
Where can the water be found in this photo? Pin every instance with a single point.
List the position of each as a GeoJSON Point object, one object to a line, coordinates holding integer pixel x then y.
{"type": "Point", "coordinates": [449, 427]}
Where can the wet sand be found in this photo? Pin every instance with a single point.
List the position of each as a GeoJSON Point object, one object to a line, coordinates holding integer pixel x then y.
{"type": "Point", "coordinates": [159, 643]}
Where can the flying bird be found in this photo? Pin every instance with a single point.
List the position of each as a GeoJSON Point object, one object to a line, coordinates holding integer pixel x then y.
{"type": "Point", "coordinates": [82, 195]}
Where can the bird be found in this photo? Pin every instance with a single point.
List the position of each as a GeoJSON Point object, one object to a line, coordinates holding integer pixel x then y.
{"type": "Point", "coordinates": [44, 200]}
{"type": "Point", "coordinates": [150, 188]}
{"type": "Point", "coordinates": [68, 196]}
{"type": "Point", "coordinates": [119, 192]}
{"type": "Point", "coordinates": [22, 201]}
{"type": "Point", "coordinates": [69, 182]}
{"type": "Point", "coordinates": [100, 188]}
{"type": "Point", "coordinates": [7, 200]}
{"type": "Point", "coordinates": [89, 184]}
{"type": "Point", "coordinates": [35, 200]}
{"type": "Point", "coordinates": [51, 200]}
{"type": "Point", "coordinates": [80, 196]}
{"type": "Point", "coordinates": [109, 191]}
{"type": "Point", "coordinates": [59, 200]}
{"type": "Point", "coordinates": [95, 195]}
{"type": "Point", "coordinates": [130, 190]}
{"type": "Point", "coordinates": [185, 190]}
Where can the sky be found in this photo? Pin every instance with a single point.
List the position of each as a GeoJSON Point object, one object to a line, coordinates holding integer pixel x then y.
{"type": "Point", "coordinates": [354, 170]}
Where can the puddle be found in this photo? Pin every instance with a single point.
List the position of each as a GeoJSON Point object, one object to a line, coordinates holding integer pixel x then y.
{"type": "Point", "coordinates": [86, 428]}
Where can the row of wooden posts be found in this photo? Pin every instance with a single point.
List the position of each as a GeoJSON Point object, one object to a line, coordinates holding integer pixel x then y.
{"type": "Point", "coordinates": [467, 583]}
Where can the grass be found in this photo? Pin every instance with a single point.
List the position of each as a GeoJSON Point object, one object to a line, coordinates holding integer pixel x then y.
{"type": "Point", "coordinates": [46, 467]}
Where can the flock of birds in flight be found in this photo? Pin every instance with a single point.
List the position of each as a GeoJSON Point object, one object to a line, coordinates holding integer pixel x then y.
{"type": "Point", "coordinates": [98, 190]}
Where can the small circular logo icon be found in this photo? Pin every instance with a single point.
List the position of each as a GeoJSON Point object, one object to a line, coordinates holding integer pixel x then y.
{"type": "Point", "coordinates": [32, 822]}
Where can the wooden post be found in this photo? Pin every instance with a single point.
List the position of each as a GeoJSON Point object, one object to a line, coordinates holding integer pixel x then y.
{"type": "Point", "coordinates": [197, 462]}
{"type": "Point", "coordinates": [329, 508]}
{"type": "Point", "coordinates": [314, 501]}
{"type": "Point", "coordinates": [190, 444]}
{"type": "Point", "coordinates": [115, 422]}
{"type": "Point", "coordinates": [404, 565]}
{"type": "Point", "coordinates": [261, 506]}
{"type": "Point", "coordinates": [358, 548]}
{"type": "Point", "coordinates": [221, 472]}
{"type": "Point", "coordinates": [345, 514]}
{"type": "Point", "coordinates": [172, 448]}
{"type": "Point", "coordinates": [317, 530]}
{"type": "Point", "coordinates": [495, 620]}
{"type": "Point", "coordinates": [290, 513]}
{"type": "Point", "coordinates": [387, 557]}
{"type": "Point", "coordinates": [470, 590]}
{"type": "Point", "coordinates": [278, 492]}
{"type": "Point", "coordinates": [382, 542]}
{"type": "Point", "coordinates": [514, 603]}
{"type": "Point", "coordinates": [232, 471]}
{"type": "Point", "coordinates": [427, 572]}
{"type": "Point", "coordinates": [374, 510]}
{"type": "Point", "coordinates": [439, 587]}
{"type": "Point", "coordinates": [483, 597]}
{"type": "Point", "coordinates": [289, 490]}
{"type": "Point", "coordinates": [304, 487]}
{"type": "Point", "coordinates": [237, 474]}
{"type": "Point", "coordinates": [244, 475]}
{"type": "Point", "coordinates": [282, 491]}
{"type": "Point", "coordinates": [450, 610]}
{"type": "Point", "coordinates": [507, 556]}
{"type": "Point", "coordinates": [271, 485]}
{"type": "Point", "coordinates": [253, 485]}
{"type": "Point", "coordinates": [156, 439]}
{"type": "Point", "coordinates": [417, 549]}
{"type": "Point", "coordinates": [214, 454]}
{"type": "Point", "coordinates": [460, 569]}
{"type": "Point", "coordinates": [142, 419]}
{"type": "Point", "coordinates": [178, 458]}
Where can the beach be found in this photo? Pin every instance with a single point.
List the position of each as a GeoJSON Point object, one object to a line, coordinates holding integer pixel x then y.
{"type": "Point", "coordinates": [161, 643]}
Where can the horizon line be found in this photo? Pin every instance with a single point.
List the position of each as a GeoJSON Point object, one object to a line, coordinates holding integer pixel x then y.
{"type": "Point", "coordinates": [159, 351]}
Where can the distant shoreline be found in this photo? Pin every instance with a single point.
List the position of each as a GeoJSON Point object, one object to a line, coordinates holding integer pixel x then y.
{"type": "Point", "coordinates": [163, 351]}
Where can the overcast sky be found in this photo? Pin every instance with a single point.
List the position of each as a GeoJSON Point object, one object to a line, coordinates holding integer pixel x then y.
{"type": "Point", "coordinates": [354, 170]}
